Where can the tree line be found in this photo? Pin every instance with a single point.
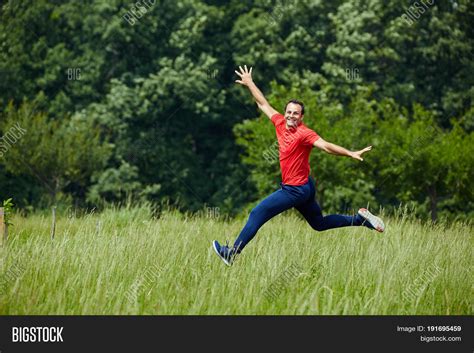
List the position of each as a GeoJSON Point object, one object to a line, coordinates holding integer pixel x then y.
{"type": "Point", "coordinates": [122, 101]}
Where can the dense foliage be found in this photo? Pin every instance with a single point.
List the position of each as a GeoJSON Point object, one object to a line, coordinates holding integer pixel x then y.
{"type": "Point", "coordinates": [124, 100]}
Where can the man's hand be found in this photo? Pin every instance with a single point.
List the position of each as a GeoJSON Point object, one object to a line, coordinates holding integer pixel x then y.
{"type": "Point", "coordinates": [246, 80]}
{"type": "Point", "coordinates": [358, 154]}
{"type": "Point", "coordinates": [245, 76]}
{"type": "Point", "coordinates": [331, 148]}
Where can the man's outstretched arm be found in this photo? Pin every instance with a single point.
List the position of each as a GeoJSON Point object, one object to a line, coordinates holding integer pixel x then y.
{"type": "Point", "coordinates": [246, 80]}
{"type": "Point", "coordinates": [338, 150]}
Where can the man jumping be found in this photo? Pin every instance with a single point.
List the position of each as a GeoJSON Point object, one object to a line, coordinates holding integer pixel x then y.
{"type": "Point", "coordinates": [297, 190]}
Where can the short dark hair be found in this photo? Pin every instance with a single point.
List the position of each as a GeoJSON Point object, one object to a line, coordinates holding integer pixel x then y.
{"type": "Point", "coordinates": [295, 101]}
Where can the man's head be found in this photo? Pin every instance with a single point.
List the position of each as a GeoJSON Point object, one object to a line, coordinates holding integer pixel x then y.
{"type": "Point", "coordinates": [294, 112]}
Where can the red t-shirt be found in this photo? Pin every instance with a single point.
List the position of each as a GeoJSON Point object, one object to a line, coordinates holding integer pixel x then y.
{"type": "Point", "coordinates": [295, 145]}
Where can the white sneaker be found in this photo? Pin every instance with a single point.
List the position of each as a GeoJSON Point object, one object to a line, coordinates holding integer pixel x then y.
{"type": "Point", "coordinates": [374, 221]}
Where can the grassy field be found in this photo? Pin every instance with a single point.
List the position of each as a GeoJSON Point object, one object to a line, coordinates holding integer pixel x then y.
{"type": "Point", "coordinates": [125, 262]}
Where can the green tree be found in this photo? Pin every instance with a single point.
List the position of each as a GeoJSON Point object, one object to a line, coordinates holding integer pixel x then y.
{"type": "Point", "coordinates": [58, 153]}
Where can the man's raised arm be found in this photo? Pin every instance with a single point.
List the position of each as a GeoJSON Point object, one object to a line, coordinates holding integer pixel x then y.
{"type": "Point", "coordinates": [246, 80]}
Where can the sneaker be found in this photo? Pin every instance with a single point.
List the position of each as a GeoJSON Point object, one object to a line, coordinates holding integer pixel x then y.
{"type": "Point", "coordinates": [374, 221]}
{"type": "Point", "coordinates": [224, 252]}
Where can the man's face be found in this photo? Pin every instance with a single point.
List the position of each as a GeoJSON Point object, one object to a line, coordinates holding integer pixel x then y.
{"type": "Point", "coordinates": [293, 115]}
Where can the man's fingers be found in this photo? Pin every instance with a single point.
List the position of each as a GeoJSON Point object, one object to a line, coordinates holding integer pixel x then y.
{"type": "Point", "coordinates": [238, 81]}
{"type": "Point", "coordinates": [243, 71]}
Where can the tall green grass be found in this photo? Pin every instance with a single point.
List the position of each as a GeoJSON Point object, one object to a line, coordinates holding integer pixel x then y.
{"type": "Point", "coordinates": [124, 261]}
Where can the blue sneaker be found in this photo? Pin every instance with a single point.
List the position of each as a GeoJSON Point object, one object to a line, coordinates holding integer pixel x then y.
{"type": "Point", "coordinates": [374, 221]}
{"type": "Point", "coordinates": [224, 252]}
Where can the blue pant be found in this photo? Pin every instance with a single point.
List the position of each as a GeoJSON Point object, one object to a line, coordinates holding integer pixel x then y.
{"type": "Point", "coordinates": [300, 197]}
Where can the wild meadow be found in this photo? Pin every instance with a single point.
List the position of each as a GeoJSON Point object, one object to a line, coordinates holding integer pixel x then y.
{"type": "Point", "coordinates": [126, 261]}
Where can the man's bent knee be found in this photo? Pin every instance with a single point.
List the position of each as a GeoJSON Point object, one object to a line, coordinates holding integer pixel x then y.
{"type": "Point", "coordinates": [317, 226]}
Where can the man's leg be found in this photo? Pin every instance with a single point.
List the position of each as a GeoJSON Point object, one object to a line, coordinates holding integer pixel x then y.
{"type": "Point", "coordinates": [274, 204]}
{"type": "Point", "coordinates": [311, 211]}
